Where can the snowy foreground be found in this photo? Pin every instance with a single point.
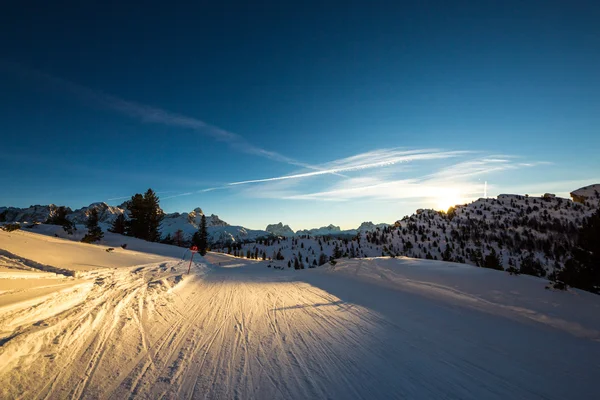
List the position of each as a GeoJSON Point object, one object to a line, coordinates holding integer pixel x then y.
{"type": "Point", "coordinates": [373, 328]}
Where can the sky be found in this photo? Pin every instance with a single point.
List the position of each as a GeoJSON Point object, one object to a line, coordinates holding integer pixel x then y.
{"type": "Point", "coordinates": [308, 113]}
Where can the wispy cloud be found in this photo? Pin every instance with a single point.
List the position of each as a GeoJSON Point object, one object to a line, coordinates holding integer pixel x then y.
{"type": "Point", "coordinates": [394, 190]}
{"type": "Point", "coordinates": [481, 166]}
{"type": "Point", "coordinates": [195, 192]}
{"type": "Point", "coordinates": [368, 160]}
{"type": "Point", "coordinates": [381, 179]}
{"type": "Point", "coordinates": [154, 115]}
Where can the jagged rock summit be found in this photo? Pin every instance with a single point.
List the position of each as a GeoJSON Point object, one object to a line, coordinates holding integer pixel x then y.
{"type": "Point", "coordinates": [280, 230]}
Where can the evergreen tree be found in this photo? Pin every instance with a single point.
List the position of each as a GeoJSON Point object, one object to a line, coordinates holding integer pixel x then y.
{"type": "Point", "coordinates": [323, 259]}
{"type": "Point", "coordinates": [60, 218]}
{"type": "Point", "coordinates": [154, 215]}
{"type": "Point", "coordinates": [145, 216]}
{"type": "Point", "coordinates": [531, 266]}
{"type": "Point", "coordinates": [200, 238]}
{"type": "Point", "coordinates": [178, 239]}
{"type": "Point", "coordinates": [135, 225]}
{"type": "Point", "coordinates": [94, 233]}
{"type": "Point", "coordinates": [118, 225]}
{"type": "Point", "coordinates": [447, 254]}
{"type": "Point", "coordinates": [492, 261]}
{"type": "Point", "coordinates": [583, 269]}
{"type": "Point", "coordinates": [337, 252]}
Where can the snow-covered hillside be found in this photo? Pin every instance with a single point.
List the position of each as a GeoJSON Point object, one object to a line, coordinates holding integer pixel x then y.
{"type": "Point", "coordinates": [377, 328]}
{"type": "Point", "coordinates": [588, 195]}
{"type": "Point", "coordinates": [534, 235]}
{"type": "Point", "coordinates": [219, 231]}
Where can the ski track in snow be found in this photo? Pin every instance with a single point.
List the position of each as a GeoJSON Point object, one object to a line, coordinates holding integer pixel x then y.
{"type": "Point", "coordinates": [243, 331]}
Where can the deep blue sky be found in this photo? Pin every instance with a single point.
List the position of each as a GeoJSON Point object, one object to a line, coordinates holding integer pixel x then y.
{"type": "Point", "coordinates": [514, 83]}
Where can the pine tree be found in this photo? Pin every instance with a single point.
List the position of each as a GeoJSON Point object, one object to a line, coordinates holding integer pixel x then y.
{"type": "Point", "coordinates": [337, 252]}
{"type": "Point", "coordinates": [323, 259]}
{"type": "Point", "coordinates": [583, 269]}
{"type": "Point", "coordinates": [178, 238]}
{"type": "Point", "coordinates": [200, 238]}
{"type": "Point", "coordinates": [60, 218]}
{"type": "Point", "coordinates": [94, 233]}
{"type": "Point", "coordinates": [135, 225]}
{"type": "Point", "coordinates": [492, 261]}
{"type": "Point", "coordinates": [447, 254]}
{"type": "Point", "coordinates": [118, 225]}
{"type": "Point", "coordinates": [145, 216]}
{"type": "Point", "coordinates": [154, 215]}
{"type": "Point", "coordinates": [531, 266]}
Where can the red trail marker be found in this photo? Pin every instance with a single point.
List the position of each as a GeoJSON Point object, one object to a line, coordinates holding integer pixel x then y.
{"type": "Point", "coordinates": [194, 250]}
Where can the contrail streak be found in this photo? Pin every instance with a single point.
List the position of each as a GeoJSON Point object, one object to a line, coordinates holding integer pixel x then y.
{"type": "Point", "coordinates": [357, 167]}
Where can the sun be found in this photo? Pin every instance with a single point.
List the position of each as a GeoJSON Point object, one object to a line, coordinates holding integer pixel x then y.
{"type": "Point", "coordinates": [447, 200]}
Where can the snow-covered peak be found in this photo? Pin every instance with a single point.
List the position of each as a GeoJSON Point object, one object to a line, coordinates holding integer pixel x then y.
{"type": "Point", "coordinates": [280, 230]}
{"type": "Point", "coordinates": [106, 214]}
{"type": "Point", "coordinates": [370, 226]}
{"type": "Point", "coordinates": [35, 213]}
{"type": "Point", "coordinates": [322, 231]}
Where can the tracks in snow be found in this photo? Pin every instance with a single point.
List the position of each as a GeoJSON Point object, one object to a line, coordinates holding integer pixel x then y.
{"type": "Point", "coordinates": [250, 333]}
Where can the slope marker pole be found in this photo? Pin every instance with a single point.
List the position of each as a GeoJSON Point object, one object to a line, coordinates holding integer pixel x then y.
{"type": "Point", "coordinates": [194, 250]}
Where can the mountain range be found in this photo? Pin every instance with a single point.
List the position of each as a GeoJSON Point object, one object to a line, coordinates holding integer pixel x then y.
{"type": "Point", "coordinates": [219, 231]}
{"type": "Point", "coordinates": [527, 234]}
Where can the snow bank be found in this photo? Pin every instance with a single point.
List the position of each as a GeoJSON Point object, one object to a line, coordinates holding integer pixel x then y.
{"type": "Point", "coordinates": [71, 258]}
{"type": "Point", "coordinates": [495, 292]}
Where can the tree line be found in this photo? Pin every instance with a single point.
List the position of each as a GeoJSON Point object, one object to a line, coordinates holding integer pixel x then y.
{"type": "Point", "coordinates": [142, 220]}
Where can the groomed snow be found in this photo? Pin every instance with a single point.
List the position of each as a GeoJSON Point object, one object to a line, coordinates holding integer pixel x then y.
{"type": "Point", "coordinates": [375, 328]}
{"type": "Point", "coordinates": [61, 254]}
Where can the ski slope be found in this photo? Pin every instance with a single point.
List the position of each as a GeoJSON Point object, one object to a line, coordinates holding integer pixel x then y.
{"type": "Point", "coordinates": [374, 328]}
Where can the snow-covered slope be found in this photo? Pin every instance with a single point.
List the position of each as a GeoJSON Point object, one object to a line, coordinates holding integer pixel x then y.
{"type": "Point", "coordinates": [532, 234]}
{"type": "Point", "coordinates": [376, 328]}
{"type": "Point", "coordinates": [70, 257]}
{"type": "Point", "coordinates": [588, 195]}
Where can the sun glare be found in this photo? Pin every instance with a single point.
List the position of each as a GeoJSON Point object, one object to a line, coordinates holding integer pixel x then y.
{"type": "Point", "coordinates": [448, 199]}
{"type": "Point", "coordinates": [445, 203]}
